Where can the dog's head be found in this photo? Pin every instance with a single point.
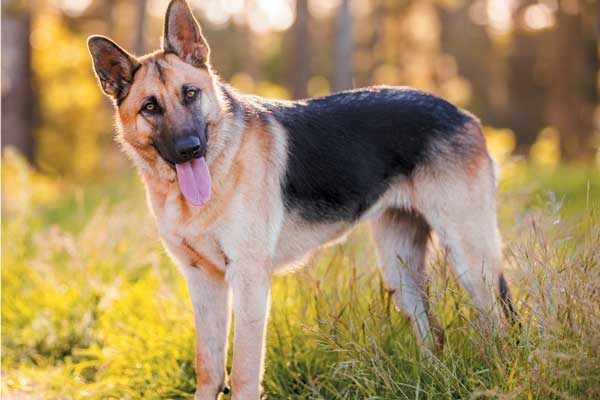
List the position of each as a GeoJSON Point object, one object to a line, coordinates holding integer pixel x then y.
{"type": "Point", "coordinates": [164, 101]}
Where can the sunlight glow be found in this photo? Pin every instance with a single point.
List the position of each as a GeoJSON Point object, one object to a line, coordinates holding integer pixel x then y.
{"type": "Point", "coordinates": [74, 7]}
{"type": "Point", "coordinates": [539, 16]}
{"type": "Point", "coordinates": [546, 149]}
{"type": "Point", "coordinates": [501, 143]}
{"type": "Point", "coordinates": [233, 6]}
{"type": "Point", "coordinates": [499, 14]}
{"type": "Point", "coordinates": [260, 15]}
{"type": "Point", "coordinates": [269, 15]}
{"type": "Point", "coordinates": [217, 13]}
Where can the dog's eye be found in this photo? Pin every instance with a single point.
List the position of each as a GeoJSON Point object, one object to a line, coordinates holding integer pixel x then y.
{"type": "Point", "coordinates": [190, 93]}
{"type": "Point", "coordinates": [151, 106]}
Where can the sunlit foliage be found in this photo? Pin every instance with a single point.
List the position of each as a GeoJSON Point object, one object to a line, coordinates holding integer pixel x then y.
{"type": "Point", "coordinates": [74, 118]}
{"type": "Point", "coordinates": [496, 58]}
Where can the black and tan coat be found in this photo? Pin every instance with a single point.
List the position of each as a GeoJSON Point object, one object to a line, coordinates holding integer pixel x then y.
{"type": "Point", "coordinates": [289, 177]}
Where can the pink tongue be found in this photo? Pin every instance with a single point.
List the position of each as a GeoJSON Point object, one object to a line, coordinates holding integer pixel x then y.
{"type": "Point", "coordinates": [194, 181]}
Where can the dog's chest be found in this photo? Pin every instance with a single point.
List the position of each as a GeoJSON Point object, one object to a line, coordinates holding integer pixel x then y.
{"type": "Point", "coordinates": [202, 251]}
{"type": "Point", "coordinates": [186, 234]}
{"type": "Point", "coordinates": [189, 248]}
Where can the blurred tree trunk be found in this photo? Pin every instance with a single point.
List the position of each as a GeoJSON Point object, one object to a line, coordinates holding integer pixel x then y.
{"type": "Point", "coordinates": [140, 27]}
{"type": "Point", "coordinates": [374, 44]}
{"type": "Point", "coordinates": [477, 58]}
{"type": "Point", "coordinates": [344, 45]}
{"type": "Point", "coordinates": [571, 91]}
{"type": "Point", "coordinates": [301, 48]}
{"type": "Point", "coordinates": [526, 91]}
{"type": "Point", "coordinates": [17, 96]}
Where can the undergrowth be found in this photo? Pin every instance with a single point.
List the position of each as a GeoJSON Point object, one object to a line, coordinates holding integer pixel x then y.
{"type": "Point", "coordinates": [93, 309]}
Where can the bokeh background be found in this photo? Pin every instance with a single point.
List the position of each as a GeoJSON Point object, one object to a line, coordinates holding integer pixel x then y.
{"type": "Point", "coordinates": [527, 68]}
{"type": "Point", "coordinates": [93, 308]}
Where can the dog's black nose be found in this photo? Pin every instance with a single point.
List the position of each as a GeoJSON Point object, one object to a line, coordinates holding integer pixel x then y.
{"type": "Point", "coordinates": [188, 148]}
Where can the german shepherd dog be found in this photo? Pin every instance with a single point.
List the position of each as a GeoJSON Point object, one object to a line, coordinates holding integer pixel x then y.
{"type": "Point", "coordinates": [242, 187]}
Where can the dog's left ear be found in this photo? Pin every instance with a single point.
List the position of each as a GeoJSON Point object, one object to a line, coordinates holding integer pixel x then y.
{"type": "Point", "coordinates": [183, 36]}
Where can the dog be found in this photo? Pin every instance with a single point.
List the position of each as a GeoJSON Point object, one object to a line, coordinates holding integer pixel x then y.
{"type": "Point", "coordinates": [242, 186]}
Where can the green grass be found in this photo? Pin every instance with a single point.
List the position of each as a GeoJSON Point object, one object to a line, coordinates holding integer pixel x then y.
{"type": "Point", "coordinates": [93, 308]}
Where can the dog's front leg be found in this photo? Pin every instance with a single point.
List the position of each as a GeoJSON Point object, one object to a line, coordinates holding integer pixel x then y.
{"type": "Point", "coordinates": [212, 312]}
{"type": "Point", "coordinates": [251, 289]}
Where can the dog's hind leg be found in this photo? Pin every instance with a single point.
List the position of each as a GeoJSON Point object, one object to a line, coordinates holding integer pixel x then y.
{"type": "Point", "coordinates": [461, 209]}
{"type": "Point", "coordinates": [401, 243]}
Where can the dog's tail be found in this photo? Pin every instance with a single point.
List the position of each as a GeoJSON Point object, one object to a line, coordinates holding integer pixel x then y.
{"type": "Point", "coordinates": [506, 301]}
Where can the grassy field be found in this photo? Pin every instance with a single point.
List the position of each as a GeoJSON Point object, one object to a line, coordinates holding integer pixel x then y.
{"type": "Point", "coordinates": [92, 308]}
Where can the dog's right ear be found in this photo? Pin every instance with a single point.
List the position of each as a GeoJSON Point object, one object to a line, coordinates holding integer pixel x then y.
{"type": "Point", "coordinates": [114, 67]}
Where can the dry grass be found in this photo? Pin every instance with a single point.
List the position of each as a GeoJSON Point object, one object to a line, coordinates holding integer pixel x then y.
{"type": "Point", "coordinates": [92, 308]}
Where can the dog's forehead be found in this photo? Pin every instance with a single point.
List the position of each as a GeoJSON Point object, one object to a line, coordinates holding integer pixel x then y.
{"type": "Point", "coordinates": [164, 74]}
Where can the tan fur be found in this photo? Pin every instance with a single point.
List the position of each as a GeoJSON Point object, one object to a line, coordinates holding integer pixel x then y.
{"type": "Point", "coordinates": [479, 154]}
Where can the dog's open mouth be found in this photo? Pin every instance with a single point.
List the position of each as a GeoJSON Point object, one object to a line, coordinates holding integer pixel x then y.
{"type": "Point", "coordinates": [194, 181]}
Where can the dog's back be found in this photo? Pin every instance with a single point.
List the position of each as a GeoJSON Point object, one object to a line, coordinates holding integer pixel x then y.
{"type": "Point", "coordinates": [344, 149]}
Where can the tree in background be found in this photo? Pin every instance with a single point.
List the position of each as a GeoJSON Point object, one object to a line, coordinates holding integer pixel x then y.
{"type": "Point", "coordinates": [17, 93]}
{"type": "Point", "coordinates": [572, 69]}
{"type": "Point", "coordinates": [343, 75]}
{"type": "Point", "coordinates": [529, 66]}
{"type": "Point", "coordinates": [300, 57]}
{"type": "Point", "coordinates": [140, 30]}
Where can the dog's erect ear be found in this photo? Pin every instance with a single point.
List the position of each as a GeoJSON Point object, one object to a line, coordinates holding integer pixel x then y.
{"type": "Point", "coordinates": [183, 36]}
{"type": "Point", "coordinates": [114, 66]}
